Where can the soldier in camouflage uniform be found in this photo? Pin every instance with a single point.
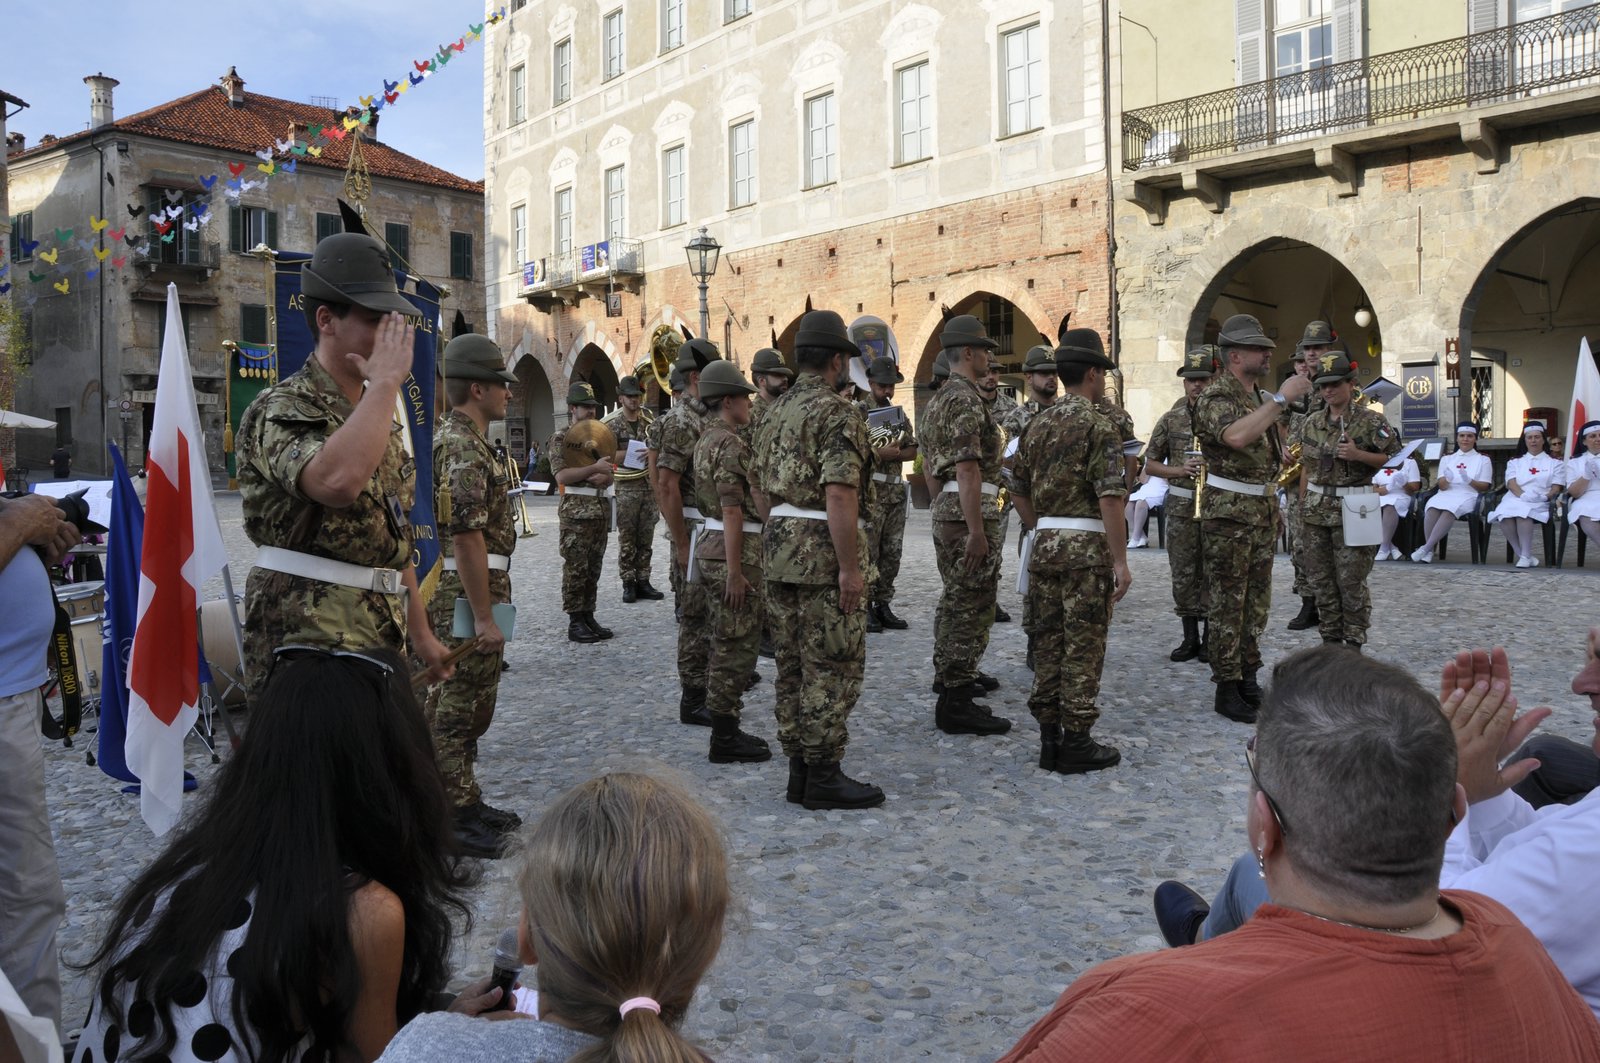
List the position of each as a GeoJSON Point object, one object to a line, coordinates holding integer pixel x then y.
{"type": "Point", "coordinates": [680, 431]}
{"type": "Point", "coordinates": [327, 477]}
{"type": "Point", "coordinates": [1039, 371]}
{"type": "Point", "coordinates": [1317, 341]}
{"type": "Point", "coordinates": [813, 463]}
{"type": "Point", "coordinates": [1174, 454]}
{"type": "Point", "coordinates": [477, 535]}
{"type": "Point", "coordinates": [961, 450]}
{"type": "Point", "coordinates": [886, 530]}
{"type": "Point", "coordinates": [1237, 424]}
{"type": "Point", "coordinates": [772, 378]}
{"type": "Point", "coordinates": [585, 518]}
{"type": "Point", "coordinates": [636, 500]}
{"type": "Point", "coordinates": [1069, 487]}
{"type": "Point", "coordinates": [1000, 406]}
{"type": "Point", "coordinates": [728, 556]}
{"type": "Point", "coordinates": [1341, 445]}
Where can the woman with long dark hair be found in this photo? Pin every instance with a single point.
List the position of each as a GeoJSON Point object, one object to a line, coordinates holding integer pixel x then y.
{"type": "Point", "coordinates": [305, 913]}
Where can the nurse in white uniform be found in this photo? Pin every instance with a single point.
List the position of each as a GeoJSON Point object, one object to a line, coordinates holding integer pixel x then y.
{"type": "Point", "coordinates": [1533, 478]}
{"type": "Point", "coordinates": [1396, 485]}
{"type": "Point", "coordinates": [1582, 472]}
{"type": "Point", "coordinates": [1463, 476]}
{"type": "Point", "coordinates": [1151, 493]}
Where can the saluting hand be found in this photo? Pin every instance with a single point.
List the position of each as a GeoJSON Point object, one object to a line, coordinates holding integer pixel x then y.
{"type": "Point", "coordinates": [390, 359]}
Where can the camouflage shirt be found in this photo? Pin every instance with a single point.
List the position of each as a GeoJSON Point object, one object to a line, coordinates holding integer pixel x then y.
{"type": "Point", "coordinates": [892, 467]}
{"type": "Point", "coordinates": [1319, 434]}
{"type": "Point", "coordinates": [281, 431]}
{"type": "Point", "coordinates": [723, 458]}
{"type": "Point", "coordinates": [1223, 402]}
{"type": "Point", "coordinates": [957, 426]}
{"type": "Point", "coordinates": [1016, 419]}
{"type": "Point", "coordinates": [479, 500]}
{"type": "Point", "coordinates": [810, 438]}
{"type": "Point", "coordinates": [1173, 437]}
{"type": "Point", "coordinates": [1069, 459]}
{"type": "Point", "coordinates": [575, 507]}
{"type": "Point", "coordinates": [680, 431]}
{"type": "Point", "coordinates": [626, 430]}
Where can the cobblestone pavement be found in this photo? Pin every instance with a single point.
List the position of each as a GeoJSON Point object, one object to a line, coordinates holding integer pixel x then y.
{"type": "Point", "coordinates": [940, 925]}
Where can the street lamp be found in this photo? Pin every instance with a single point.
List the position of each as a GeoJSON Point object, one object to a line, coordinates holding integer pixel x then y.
{"type": "Point", "coordinates": [703, 251]}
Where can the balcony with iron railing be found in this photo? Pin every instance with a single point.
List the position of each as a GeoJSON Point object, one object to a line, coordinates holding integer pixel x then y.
{"type": "Point", "coordinates": [1515, 75]}
{"type": "Point", "coordinates": [590, 270]}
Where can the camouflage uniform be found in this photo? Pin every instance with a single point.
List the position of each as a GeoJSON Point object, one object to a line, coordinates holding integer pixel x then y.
{"type": "Point", "coordinates": [886, 530]}
{"type": "Point", "coordinates": [810, 438]}
{"type": "Point", "coordinates": [1298, 414]}
{"type": "Point", "coordinates": [1338, 573]}
{"type": "Point", "coordinates": [1015, 423]}
{"type": "Point", "coordinates": [1122, 423]}
{"type": "Point", "coordinates": [282, 430]}
{"type": "Point", "coordinates": [1238, 531]}
{"type": "Point", "coordinates": [585, 528]}
{"type": "Point", "coordinates": [460, 710]}
{"type": "Point", "coordinates": [636, 503]}
{"type": "Point", "coordinates": [1173, 437]}
{"type": "Point", "coordinates": [1001, 408]}
{"type": "Point", "coordinates": [957, 426]}
{"type": "Point", "coordinates": [1070, 458]}
{"type": "Point", "coordinates": [681, 429]}
{"type": "Point", "coordinates": [723, 458]}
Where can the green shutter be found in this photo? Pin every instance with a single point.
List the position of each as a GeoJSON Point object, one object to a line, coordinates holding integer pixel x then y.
{"type": "Point", "coordinates": [235, 229]}
{"type": "Point", "coordinates": [272, 229]}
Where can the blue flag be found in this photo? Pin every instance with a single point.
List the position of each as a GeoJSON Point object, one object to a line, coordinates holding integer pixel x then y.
{"type": "Point", "coordinates": [124, 542]}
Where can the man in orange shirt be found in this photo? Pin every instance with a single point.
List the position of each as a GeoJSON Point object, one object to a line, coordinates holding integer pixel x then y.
{"type": "Point", "coordinates": [1360, 955]}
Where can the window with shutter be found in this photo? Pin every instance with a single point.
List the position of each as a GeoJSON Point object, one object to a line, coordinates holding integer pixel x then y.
{"type": "Point", "coordinates": [461, 256]}
{"type": "Point", "coordinates": [1487, 68]}
{"type": "Point", "coordinates": [1252, 117]}
{"type": "Point", "coordinates": [398, 237]}
{"type": "Point", "coordinates": [328, 225]}
{"type": "Point", "coordinates": [253, 323]}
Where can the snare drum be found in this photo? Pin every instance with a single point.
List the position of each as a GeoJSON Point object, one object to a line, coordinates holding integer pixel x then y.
{"type": "Point", "coordinates": [83, 599]}
{"type": "Point", "coordinates": [88, 643]}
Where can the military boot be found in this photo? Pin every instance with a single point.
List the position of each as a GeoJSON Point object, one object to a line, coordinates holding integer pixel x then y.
{"type": "Point", "coordinates": [692, 707]}
{"type": "Point", "coordinates": [1230, 703]}
{"type": "Point", "coordinates": [729, 745]}
{"type": "Point", "coordinates": [1030, 654]}
{"type": "Point", "coordinates": [958, 714]}
{"type": "Point", "coordinates": [1205, 635]}
{"type": "Point", "coordinates": [578, 629]}
{"type": "Point", "coordinates": [767, 649]}
{"type": "Point", "coordinates": [1079, 753]}
{"type": "Point", "coordinates": [797, 781]}
{"type": "Point", "coordinates": [828, 787]}
{"type": "Point", "coordinates": [500, 821]}
{"type": "Point", "coordinates": [1001, 616]}
{"type": "Point", "coordinates": [630, 592]}
{"type": "Point", "coordinates": [1307, 617]}
{"type": "Point", "coordinates": [1190, 647]}
{"type": "Point", "coordinates": [1049, 744]}
{"type": "Point", "coordinates": [595, 626]}
{"type": "Point", "coordinates": [643, 589]}
{"type": "Point", "coordinates": [889, 620]}
{"type": "Point", "coordinates": [1250, 690]}
{"type": "Point", "coordinates": [874, 625]}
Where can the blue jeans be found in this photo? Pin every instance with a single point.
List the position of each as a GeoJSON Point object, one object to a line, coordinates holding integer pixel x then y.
{"type": "Point", "coordinates": [1243, 891]}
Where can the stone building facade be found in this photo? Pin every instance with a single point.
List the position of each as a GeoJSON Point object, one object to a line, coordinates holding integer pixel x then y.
{"type": "Point", "coordinates": [96, 348]}
{"type": "Point", "coordinates": [890, 159]}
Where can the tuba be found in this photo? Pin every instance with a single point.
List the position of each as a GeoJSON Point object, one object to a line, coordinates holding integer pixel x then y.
{"type": "Point", "coordinates": [664, 344]}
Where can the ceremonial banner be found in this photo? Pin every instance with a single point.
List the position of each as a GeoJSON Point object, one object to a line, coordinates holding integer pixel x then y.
{"type": "Point", "coordinates": [295, 344]}
{"type": "Point", "coordinates": [251, 370]}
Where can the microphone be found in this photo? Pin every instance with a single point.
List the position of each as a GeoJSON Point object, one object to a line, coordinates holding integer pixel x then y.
{"type": "Point", "coordinates": [507, 967]}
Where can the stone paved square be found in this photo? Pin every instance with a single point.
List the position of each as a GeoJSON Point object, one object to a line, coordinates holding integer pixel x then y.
{"type": "Point", "coordinates": [940, 925]}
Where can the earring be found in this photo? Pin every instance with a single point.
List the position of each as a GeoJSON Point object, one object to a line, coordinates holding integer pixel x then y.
{"type": "Point", "coordinates": [1261, 863]}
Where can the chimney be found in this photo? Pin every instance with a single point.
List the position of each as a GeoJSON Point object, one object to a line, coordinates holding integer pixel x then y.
{"type": "Point", "coordinates": [100, 110]}
{"type": "Point", "coordinates": [233, 85]}
{"type": "Point", "coordinates": [16, 142]}
{"type": "Point", "coordinates": [368, 132]}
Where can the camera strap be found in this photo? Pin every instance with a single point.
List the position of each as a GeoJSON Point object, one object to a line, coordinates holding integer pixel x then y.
{"type": "Point", "coordinates": [65, 658]}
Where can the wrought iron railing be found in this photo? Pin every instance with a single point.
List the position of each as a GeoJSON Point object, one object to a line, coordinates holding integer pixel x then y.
{"type": "Point", "coordinates": [1533, 57]}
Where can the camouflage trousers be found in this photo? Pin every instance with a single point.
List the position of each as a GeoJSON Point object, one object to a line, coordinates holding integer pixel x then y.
{"type": "Point", "coordinates": [822, 658]}
{"type": "Point", "coordinates": [694, 630]}
{"type": "Point", "coordinates": [1070, 618]}
{"type": "Point", "coordinates": [285, 610]}
{"type": "Point", "coordinates": [1187, 559]}
{"type": "Point", "coordinates": [735, 637]}
{"type": "Point", "coordinates": [636, 526]}
{"type": "Point", "coordinates": [966, 605]}
{"type": "Point", "coordinates": [886, 534]}
{"type": "Point", "coordinates": [583, 551]}
{"type": "Point", "coordinates": [1297, 539]}
{"type": "Point", "coordinates": [1338, 575]}
{"type": "Point", "coordinates": [460, 709]}
{"type": "Point", "coordinates": [1238, 570]}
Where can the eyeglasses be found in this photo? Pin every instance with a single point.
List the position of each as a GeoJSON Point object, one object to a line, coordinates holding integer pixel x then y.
{"type": "Point", "coordinates": [1250, 762]}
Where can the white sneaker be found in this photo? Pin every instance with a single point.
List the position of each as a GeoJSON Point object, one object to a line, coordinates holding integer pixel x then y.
{"type": "Point", "coordinates": [1422, 555]}
{"type": "Point", "coordinates": [1385, 553]}
{"type": "Point", "coordinates": [1533, 562]}
{"type": "Point", "coordinates": [1135, 544]}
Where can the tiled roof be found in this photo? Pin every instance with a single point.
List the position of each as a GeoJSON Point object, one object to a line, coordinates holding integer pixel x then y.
{"type": "Point", "coordinates": [207, 118]}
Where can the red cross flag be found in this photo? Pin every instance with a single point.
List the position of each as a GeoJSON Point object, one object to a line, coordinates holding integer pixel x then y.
{"type": "Point", "coordinates": [182, 549]}
{"type": "Point", "coordinates": [1585, 399]}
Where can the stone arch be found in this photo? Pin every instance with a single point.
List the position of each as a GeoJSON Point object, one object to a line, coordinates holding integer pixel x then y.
{"type": "Point", "coordinates": [538, 403]}
{"type": "Point", "coordinates": [921, 343]}
{"type": "Point", "coordinates": [593, 366]}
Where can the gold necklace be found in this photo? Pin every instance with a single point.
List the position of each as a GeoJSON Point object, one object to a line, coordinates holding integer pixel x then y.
{"type": "Point", "coordinates": [1438, 910]}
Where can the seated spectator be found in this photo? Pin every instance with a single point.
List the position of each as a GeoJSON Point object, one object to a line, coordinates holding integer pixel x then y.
{"type": "Point", "coordinates": [624, 888]}
{"type": "Point", "coordinates": [1396, 487]}
{"type": "Point", "coordinates": [1152, 492]}
{"type": "Point", "coordinates": [1568, 771]}
{"type": "Point", "coordinates": [1533, 478]}
{"type": "Point", "coordinates": [1582, 472]}
{"type": "Point", "coordinates": [1358, 956]}
{"type": "Point", "coordinates": [1463, 477]}
{"type": "Point", "coordinates": [1539, 873]}
{"type": "Point", "coordinates": [305, 913]}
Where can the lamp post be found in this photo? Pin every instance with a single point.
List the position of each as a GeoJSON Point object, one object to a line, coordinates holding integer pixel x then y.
{"type": "Point", "coordinates": [703, 251]}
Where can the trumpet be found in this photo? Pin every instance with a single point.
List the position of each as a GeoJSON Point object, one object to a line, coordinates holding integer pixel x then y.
{"type": "Point", "coordinates": [522, 501]}
{"type": "Point", "coordinates": [1199, 479]}
{"type": "Point", "coordinates": [1291, 472]}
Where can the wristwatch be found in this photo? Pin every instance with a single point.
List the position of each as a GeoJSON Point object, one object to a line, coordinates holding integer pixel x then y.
{"type": "Point", "coordinates": [1277, 396]}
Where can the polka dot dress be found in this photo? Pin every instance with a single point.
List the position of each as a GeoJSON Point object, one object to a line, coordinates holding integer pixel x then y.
{"type": "Point", "coordinates": [202, 1009]}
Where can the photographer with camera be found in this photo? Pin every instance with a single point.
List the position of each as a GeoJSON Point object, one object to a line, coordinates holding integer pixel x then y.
{"type": "Point", "coordinates": [34, 534]}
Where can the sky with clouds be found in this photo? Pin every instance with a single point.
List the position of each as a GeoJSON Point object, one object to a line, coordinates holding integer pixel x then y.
{"type": "Point", "coordinates": [292, 49]}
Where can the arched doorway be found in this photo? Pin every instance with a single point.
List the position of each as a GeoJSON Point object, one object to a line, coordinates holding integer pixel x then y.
{"type": "Point", "coordinates": [592, 367]}
{"type": "Point", "coordinates": [530, 416]}
{"type": "Point", "coordinates": [1285, 284]}
{"type": "Point", "coordinates": [1005, 323]}
{"type": "Point", "coordinates": [1524, 317]}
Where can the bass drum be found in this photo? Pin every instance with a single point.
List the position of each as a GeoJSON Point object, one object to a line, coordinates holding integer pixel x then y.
{"type": "Point", "coordinates": [222, 653]}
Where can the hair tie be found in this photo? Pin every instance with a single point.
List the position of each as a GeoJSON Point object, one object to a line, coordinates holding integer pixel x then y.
{"type": "Point", "coordinates": [638, 1002]}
